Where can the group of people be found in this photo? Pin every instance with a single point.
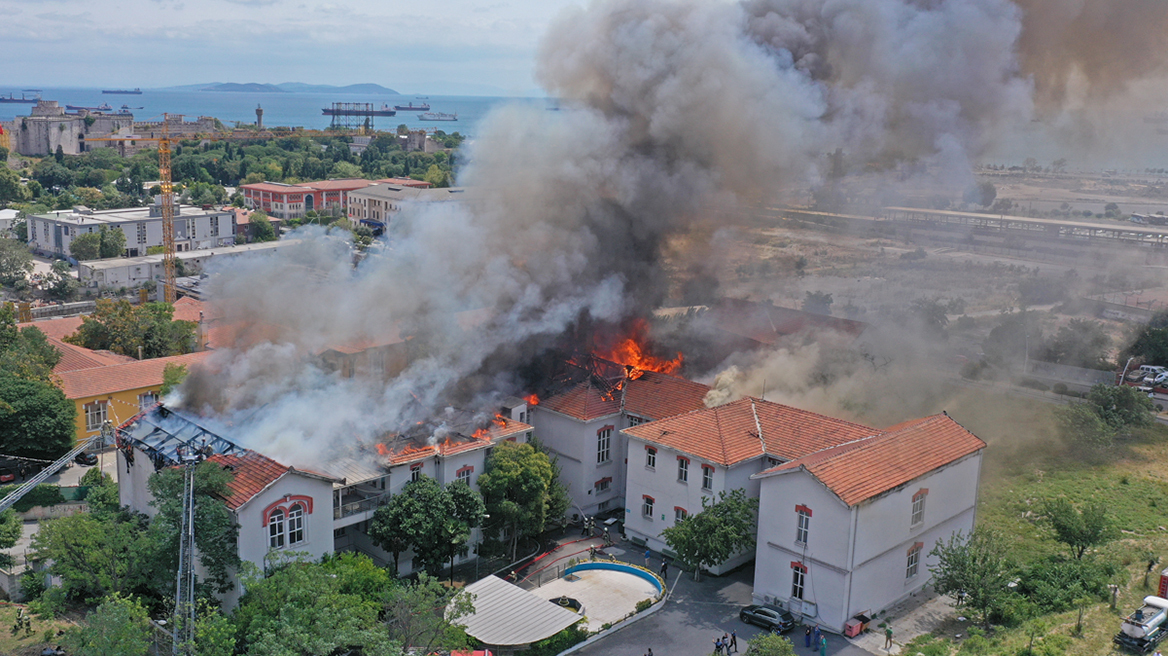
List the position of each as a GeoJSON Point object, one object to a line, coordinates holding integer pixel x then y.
{"type": "Point", "coordinates": [727, 643]}
{"type": "Point", "coordinates": [813, 638]}
{"type": "Point", "coordinates": [664, 564]}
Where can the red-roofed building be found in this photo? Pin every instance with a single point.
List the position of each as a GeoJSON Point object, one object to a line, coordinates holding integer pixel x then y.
{"type": "Point", "coordinates": [293, 201]}
{"type": "Point", "coordinates": [848, 529]}
{"type": "Point", "coordinates": [582, 424]}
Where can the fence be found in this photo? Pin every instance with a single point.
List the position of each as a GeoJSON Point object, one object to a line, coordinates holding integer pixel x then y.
{"type": "Point", "coordinates": [372, 503]}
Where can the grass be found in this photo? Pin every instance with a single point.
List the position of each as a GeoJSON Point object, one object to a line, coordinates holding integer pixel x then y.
{"type": "Point", "coordinates": [1026, 464]}
{"type": "Point", "coordinates": [22, 644]}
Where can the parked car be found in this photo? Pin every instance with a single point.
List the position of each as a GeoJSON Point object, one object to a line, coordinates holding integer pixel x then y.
{"type": "Point", "coordinates": [86, 458]}
{"type": "Point", "coordinates": [7, 475]}
{"type": "Point", "coordinates": [768, 617]}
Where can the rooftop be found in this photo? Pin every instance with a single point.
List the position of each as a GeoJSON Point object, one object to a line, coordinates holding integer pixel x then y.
{"type": "Point", "coordinates": [113, 378]}
{"type": "Point", "coordinates": [142, 260]}
{"type": "Point", "coordinates": [868, 467]}
{"type": "Point", "coordinates": [343, 184]}
{"type": "Point", "coordinates": [413, 193]}
{"type": "Point", "coordinates": [96, 217]}
{"type": "Point", "coordinates": [253, 472]}
{"type": "Point", "coordinates": [505, 614]}
{"type": "Point", "coordinates": [74, 357]}
{"type": "Point", "coordinates": [729, 434]}
{"type": "Point", "coordinates": [647, 394]}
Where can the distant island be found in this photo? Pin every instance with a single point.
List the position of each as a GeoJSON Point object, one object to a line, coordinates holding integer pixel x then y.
{"type": "Point", "coordinates": [299, 87]}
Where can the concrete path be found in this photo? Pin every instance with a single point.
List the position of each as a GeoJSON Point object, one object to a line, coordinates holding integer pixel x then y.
{"type": "Point", "coordinates": [910, 619]}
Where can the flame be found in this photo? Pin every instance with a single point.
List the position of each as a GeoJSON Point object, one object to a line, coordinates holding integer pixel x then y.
{"type": "Point", "coordinates": [382, 449]}
{"type": "Point", "coordinates": [632, 349]}
{"type": "Point", "coordinates": [480, 434]}
{"type": "Point", "coordinates": [531, 399]}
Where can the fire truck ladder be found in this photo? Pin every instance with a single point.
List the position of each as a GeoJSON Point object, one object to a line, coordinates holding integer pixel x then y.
{"type": "Point", "coordinates": [184, 594]}
{"type": "Point", "coordinates": [58, 465]}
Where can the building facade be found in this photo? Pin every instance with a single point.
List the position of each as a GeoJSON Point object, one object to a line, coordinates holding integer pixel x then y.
{"type": "Point", "coordinates": [48, 126]}
{"type": "Point", "coordinates": [293, 201]}
{"type": "Point", "coordinates": [135, 271]}
{"type": "Point", "coordinates": [377, 205]}
{"type": "Point", "coordinates": [848, 530]}
{"type": "Point", "coordinates": [51, 234]}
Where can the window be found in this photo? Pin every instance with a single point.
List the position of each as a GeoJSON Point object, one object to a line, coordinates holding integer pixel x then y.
{"type": "Point", "coordinates": [634, 420]}
{"type": "Point", "coordinates": [682, 469]}
{"type": "Point", "coordinates": [141, 232]}
{"type": "Point", "coordinates": [647, 506]}
{"type": "Point", "coordinates": [918, 507]}
{"type": "Point", "coordinates": [604, 445]}
{"type": "Point", "coordinates": [679, 513]}
{"type": "Point", "coordinates": [914, 560]}
{"type": "Point", "coordinates": [464, 474]}
{"type": "Point", "coordinates": [798, 577]}
{"type": "Point", "coordinates": [803, 525]}
{"type": "Point", "coordinates": [214, 226]}
{"type": "Point", "coordinates": [603, 484]}
{"type": "Point", "coordinates": [276, 530]}
{"type": "Point", "coordinates": [415, 472]}
{"type": "Point", "coordinates": [95, 415]}
{"type": "Point", "coordinates": [146, 400]}
{"type": "Point", "coordinates": [650, 457]}
{"type": "Point", "coordinates": [296, 524]}
{"type": "Point", "coordinates": [603, 505]}
{"type": "Point", "coordinates": [707, 477]}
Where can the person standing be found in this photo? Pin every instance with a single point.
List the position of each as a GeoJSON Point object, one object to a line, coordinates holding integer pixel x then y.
{"type": "Point", "coordinates": [717, 645]}
{"type": "Point", "coordinates": [647, 554]}
{"type": "Point", "coordinates": [816, 634]}
{"type": "Point", "coordinates": [807, 638]}
{"type": "Point", "coordinates": [888, 636]}
{"type": "Point", "coordinates": [822, 645]}
{"type": "Point", "coordinates": [664, 571]}
{"type": "Point", "coordinates": [733, 641]}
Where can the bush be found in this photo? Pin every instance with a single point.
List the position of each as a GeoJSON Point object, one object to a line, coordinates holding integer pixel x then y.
{"type": "Point", "coordinates": [1054, 583]}
{"type": "Point", "coordinates": [1033, 384]}
{"type": "Point", "coordinates": [644, 605]}
{"type": "Point", "coordinates": [41, 495]}
{"type": "Point", "coordinates": [928, 645]}
{"type": "Point", "coordinates": [1059, 388]}
{"type": "Point", "coordinates": [558, 643]}
{"type": "Point", "coordinates": [32, 584]}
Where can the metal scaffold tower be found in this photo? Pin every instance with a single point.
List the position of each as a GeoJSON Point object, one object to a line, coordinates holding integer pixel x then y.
{"type": "Point", "coordinates": [170, 290]}
{"type": "Point", "coordinates": [184, 594]}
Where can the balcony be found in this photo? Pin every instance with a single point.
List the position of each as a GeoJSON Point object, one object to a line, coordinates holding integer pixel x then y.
{"type": "Point", "coordinates": [355, 504]}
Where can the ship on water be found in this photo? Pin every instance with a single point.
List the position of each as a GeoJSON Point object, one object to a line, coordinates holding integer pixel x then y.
{"type": "Point", "coordinates": [437, 116]}
{"type": "Point", "coordinates": [33, 90]}
{"type": "Point", "coordinates": [104, 107]}
{"type": "Point", "coordinates": [22, 99]}
{"type": "Point", "coordinates": [125, 92]}
{"type": "Point", "coordinates": [347, 111]}
{"type": "Point", "coordinates": [128, 107]}
{"type": "Point", "coordinates": [424, 107]}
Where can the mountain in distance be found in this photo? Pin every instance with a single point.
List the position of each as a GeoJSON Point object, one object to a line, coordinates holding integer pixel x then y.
{"type": "Point", "coordinates": [252, 87]}
{"type": "Point", "coordinates": [366, 88]}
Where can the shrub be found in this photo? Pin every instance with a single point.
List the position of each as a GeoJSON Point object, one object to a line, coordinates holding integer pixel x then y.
{"type": "Point", "coordinates": [1054, 583]}
{"type": "Point", "coordinates": [1059, 388]}
{"type": "Point", "coordinates": [644, 605]}
{"type": "Point", "coordinates": [41, 495]}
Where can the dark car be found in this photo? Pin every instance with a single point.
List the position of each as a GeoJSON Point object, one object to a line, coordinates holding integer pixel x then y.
{"type": "Point", "coordinates": [768, 617]}
{"type": "Point", "coordinates": [84, 458]}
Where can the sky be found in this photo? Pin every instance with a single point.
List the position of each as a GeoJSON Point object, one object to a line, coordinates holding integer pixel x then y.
{"type": "Point", "coordinates": [473, 47]}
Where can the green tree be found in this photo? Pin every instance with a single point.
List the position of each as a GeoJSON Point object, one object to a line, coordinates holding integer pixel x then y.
{"type": "Point", "coordinates": [86, 247]}
{"type": "Point", "coordinates": [305, 608]}
{"type": "Point", "coordinates": [95, 554]}
{"type": "Point", "coordinates": [931, 313]}
{"type": "Point", "coordinates": [436, 176]}
{"type": "Point", "coordinates": [1079, 528]}
{"type": "Point", "coordinates": [216, 533]}
{"type": "Point", "coordinates": [60, 283]}
{"type": "Point", "coordinates": [425, 615]}
{"type": "Point", "coordinates": [713, 535]}
{"type": "Point", "coordinates": [434, 521]}
{"type": "Point", "coordinates": [113, 242]}
{"type": "Point", "coordinates": [261, 227]}
{"type": "Point", "coordinates": [36, 420]}
{"type": "Point", "coordinates": [25, 353]}
{"type": "Point", "coordinates": [172, 376]}
{"type": "Point", "coordinates": [1121, 407]}
{"type": "Point", "coordinates": [15, 262]}
{"type": "Point", "coordinates": [214, 632]}
{"type": "Point", "coordinates": [394, 525]}
{"type": "Point", "coordinates": [515, 487]}
{"type": "Point", "coordinates": [1080, 343]}
{"type": "Point", "coordinates": [817, 302]}
{"type": "Point", "coordinates": [123, 328]}
{"type": "Point", "coordinates": [1079, 424]}
{"type": "Point", "coordinates": [11, 191]}
{"type": "Point", "coordinates": [1150, 345]}
{"type": "Point", "coordinates": [770, 644]}
{"type": "Point", "coordinates": [1009, 341]}
{"type": "Point", "coordinates": [976, 569]}
{"type": "Point", "coordinates": [120, 626]}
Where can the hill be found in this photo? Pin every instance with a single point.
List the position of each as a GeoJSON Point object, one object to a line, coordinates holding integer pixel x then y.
{"type": "Point", "coordinates": [366, 88]}
{"type": "Point", "coordinates": [252, 87]}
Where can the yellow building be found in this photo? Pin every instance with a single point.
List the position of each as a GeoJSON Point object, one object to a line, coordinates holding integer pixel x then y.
{"type": "Point", "coordinates": [117, 391]}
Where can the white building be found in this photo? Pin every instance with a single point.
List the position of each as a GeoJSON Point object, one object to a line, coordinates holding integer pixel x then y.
{"type": "Point", "coordinates": [320, 509]}
{"type": "Point", "coordinates": [376, 205]}
{"type": "Point", "coordinates": [674, 463]}
{"type": "Point", "coordinates": [133, 271]}
{"type": "Point", "coordinates": [848, 530]}
{"type": "Point", "coordinates": [582, 425]}
{"type": "Point", "coordinates": [51, 234]}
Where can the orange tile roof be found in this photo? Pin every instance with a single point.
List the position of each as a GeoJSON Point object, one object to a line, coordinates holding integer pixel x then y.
{"type": "Point", "coordinates": [253, 471]}
{"type": "Point", "coordinates": [275, 188]}
{"type": "Point", "coordinates": [77, 357]}
{"type": "Point", "coordinates": [459, 443]}
{"type": "Point", "coordinates": [188, 309]}
{"type": "Point", "coordinates": [652, 395]}
{"type": "Point", "coordinates": [110, 379]}
{"type": "Point", "coordinates": [407, 182]}
{"type": "Point", "coordinates": [344, 184]}
{"type": "Point", "coordinates": [729, 434]}
{"type": "Point", "coordinates": [57, 328]}
{"type": "Point", "coordinates": [864, 469]}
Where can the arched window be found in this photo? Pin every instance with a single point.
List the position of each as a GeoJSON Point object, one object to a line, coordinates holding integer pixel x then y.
{"type": "Point", "coordinates": [296, 524]}
{"type": "Point", "coordinates": [276, 529]}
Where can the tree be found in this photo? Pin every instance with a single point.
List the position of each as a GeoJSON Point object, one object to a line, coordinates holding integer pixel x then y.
{"type": "Point", "coordinates": [60, 283]}
{"type": "Point", "coordinates": [434, 521]}
{"type": "Point", "coordinates": [1080, 343]}
{"type": "Point", "coordinates": [515, 488]}
{"type": "Point", "coordinates": [981, 194]}
{"type": "Point", "coordinates": [1081, 425]}
{"type": "Point", "coordinates": [1121, 407]}
{"type": "Point", "coordinates": [931, 313]}
{"type": "Point", "coordinates": [261, 227]}
{"type": "Point", "coordinates": [25, 353]}
{"type": "Point", "coordinates": [123, 328]}
{"type": "Point", "coordinates": [95, 555]}
{"type": "Point", "coordinates": [716, 533]}
{"type": "Point", "coordinates": [172, 376]}
{"type": "Point", "coordinates": [86, 247]}
{"type": "Point", "coordinates": [436, 176]}
{"type": "Point", "coordinates": [214, 632]}
{"type": "Point", "coordinates": [974, 569]}
{"type": "Point", "coordinates": [216, 533]}
{"type": "Point", "coordinates": [395, 524]}
{"type": "Point", "coordinates": [120, 626]}
{"type": "Point", "coordinates": [36, 420]}
{"type": "Point", "coordinates": [1150, 346]}
{"type": "Point", "coordinates": [467, 512]}
{"type": "Point", "coordinates": [817, 302]}
{"type": "Point", "coordinates": [425, 615]}
{"type": "Point", "coordinates": [1079, 529]}
{"type": "Point", "coordinates": [770, 644]}
{"type": "Point", "coordinates": [15, 262]}
{"type": "Point", "coordinates": [113, 242]}
{"type": "Point", "coordinates": [1010, 341]}
{"type": "Point", "coordinates": [11, 191]}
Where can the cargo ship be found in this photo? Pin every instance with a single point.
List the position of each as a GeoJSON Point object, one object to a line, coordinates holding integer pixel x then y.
{"type": "Point", "coordinates": [21, 99]}
{"type": "Point", "coordinates": [104, 107]}
{"type": "Point", "coordinates": [424, 107]}
{"type": "Point", "coordinates": [125, 92]}
{"type": "Point", "coordinates": [384, 111]}
{"type": "Point", "coordinates": [437, 116]}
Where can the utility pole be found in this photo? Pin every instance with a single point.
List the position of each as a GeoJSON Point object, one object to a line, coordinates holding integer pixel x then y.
{"type": "Point", "coordinates": [184, 595]}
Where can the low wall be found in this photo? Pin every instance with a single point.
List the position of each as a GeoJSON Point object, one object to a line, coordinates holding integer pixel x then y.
{"type": "Point", "coordinates": [38, 513]}
{"type": "Point", "coordinates": [619, 567]}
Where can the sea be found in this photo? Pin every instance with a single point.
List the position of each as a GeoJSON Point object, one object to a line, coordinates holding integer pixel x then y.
{"type": "Point", "coordinates": [294, 109]}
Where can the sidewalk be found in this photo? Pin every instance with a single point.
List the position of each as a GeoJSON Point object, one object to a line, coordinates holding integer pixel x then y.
{"type": "Point", "coordinates": [910, 619]}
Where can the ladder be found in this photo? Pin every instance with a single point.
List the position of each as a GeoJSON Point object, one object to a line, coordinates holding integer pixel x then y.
{"type": "Point", "coordinates": [44, 474]}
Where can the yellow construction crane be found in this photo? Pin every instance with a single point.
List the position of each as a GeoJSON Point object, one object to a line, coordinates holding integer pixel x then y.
{"type": "Point", "coordinates": [169, 257]}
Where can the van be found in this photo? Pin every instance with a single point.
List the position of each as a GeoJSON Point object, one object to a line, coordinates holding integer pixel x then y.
{"type": "Point", "coordinates": [1152, 370]}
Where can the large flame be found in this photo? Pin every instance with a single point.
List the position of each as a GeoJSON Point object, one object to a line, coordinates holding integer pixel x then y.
{"type": "Point", "coordinates": [632, 349]}
{"type": "Point", "coordinates": [532, 399]}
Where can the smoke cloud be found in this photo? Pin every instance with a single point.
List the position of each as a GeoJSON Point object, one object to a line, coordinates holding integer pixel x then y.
{"type": "Point", "coordinates": [670, 108]}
